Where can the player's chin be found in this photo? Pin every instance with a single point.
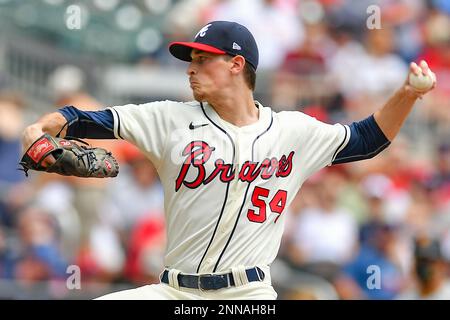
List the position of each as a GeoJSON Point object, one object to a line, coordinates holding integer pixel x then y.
{"type": "Point", "coordinates": [198, 96]}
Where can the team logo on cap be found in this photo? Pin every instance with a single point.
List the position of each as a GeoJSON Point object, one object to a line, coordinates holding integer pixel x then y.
{"type": "Point", "coordinates": [202, 31]}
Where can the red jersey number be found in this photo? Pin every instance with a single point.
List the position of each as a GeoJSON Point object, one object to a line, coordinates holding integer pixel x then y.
{"type": "Point", "coordinates": [259, 197]}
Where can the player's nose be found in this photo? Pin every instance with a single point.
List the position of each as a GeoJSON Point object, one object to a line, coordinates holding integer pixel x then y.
{"type": "Point", "coordinates": [191, 69]}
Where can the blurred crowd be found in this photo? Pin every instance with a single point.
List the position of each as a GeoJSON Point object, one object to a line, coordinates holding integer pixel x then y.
{"type": "Point", "coordinates": [375, 229]}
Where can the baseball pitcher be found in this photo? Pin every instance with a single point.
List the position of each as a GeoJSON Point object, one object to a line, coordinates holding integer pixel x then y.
{"type": "Point", "coordinates": [229, 165]}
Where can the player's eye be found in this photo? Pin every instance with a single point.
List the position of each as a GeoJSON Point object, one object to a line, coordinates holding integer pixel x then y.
{"type": "Point", "coordinates": [201, 59]}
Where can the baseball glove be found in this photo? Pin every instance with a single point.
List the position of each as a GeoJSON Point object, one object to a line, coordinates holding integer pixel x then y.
{"type": "Point", "coordinates": [72, 159]}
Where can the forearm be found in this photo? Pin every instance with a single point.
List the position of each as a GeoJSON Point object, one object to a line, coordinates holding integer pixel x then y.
{"type": "Point", "coordinates": [51, 123]}
{"type": "Point", "coordinates": [393, 114]}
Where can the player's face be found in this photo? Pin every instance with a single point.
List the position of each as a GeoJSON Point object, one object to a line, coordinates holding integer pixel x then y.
{"type": "Point", "coordinates": [208, 74]}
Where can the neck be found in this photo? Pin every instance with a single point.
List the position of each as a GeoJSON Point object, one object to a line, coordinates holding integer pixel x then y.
{"type": "Point", "coordinates": [237, 107]}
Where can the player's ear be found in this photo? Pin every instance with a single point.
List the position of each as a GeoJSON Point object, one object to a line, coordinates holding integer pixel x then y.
{"type": "Point", "coordinates": [238, 63]}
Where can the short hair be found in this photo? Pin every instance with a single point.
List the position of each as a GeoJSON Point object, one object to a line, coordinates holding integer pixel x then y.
{"type": "Point", "coordinates": [249, 73]}
{"type": "Point", "coordinates": [250, 76]}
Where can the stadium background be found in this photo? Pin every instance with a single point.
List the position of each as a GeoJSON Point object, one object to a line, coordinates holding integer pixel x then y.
{"type": "Point", "coordinates": [317, 56]}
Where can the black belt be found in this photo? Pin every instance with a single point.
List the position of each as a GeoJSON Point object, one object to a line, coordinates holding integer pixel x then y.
{"type": "Point", "coordinates": [212, 281]}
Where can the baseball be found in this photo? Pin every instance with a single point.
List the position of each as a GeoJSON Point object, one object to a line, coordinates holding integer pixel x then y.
{"type": "Point", "coordinates": [422, 82]}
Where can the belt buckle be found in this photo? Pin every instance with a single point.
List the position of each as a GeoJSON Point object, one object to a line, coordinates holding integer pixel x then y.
{"type": "Point", "coordinates": [199, 281]}
{"type": "Point", "coordinates": [215, 281]}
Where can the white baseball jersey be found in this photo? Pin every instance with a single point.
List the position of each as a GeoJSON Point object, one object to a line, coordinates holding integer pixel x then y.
{"type": "Point", "coordinates": [226, 187]}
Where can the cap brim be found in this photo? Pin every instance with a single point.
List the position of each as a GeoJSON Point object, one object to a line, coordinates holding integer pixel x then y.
{"type": "Point", "coordinates": [182, 50]}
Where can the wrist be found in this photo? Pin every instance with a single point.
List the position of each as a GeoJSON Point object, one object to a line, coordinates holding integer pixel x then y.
{"type": "Point", "coordinates": [410, 93]}
{"type": "Point", "coordinates": [30, 134]}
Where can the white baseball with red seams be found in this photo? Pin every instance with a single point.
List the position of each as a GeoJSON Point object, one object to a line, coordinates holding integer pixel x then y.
{"type": "Point", "coordinates": [422, 82]}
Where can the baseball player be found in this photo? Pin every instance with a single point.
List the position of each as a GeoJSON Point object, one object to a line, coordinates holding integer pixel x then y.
{"type": "Point", "coordinates": [229, 165]}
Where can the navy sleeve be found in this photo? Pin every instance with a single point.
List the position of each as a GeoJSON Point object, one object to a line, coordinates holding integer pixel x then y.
{"type": "Point", "coordinates": [88, 124]}
{"type": "Point", "coordinates": [366, 141]}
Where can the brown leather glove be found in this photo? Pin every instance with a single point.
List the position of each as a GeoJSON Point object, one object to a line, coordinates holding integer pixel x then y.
{"type": "Point", "coordinates": [72, 159]}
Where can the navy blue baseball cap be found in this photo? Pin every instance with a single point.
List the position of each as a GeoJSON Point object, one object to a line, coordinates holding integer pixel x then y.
{"type": "Point", "coordinates": [221, 37]}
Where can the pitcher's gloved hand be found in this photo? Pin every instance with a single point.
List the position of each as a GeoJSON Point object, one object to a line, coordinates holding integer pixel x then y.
{"type": "Point", "coordinates": [71, 159]}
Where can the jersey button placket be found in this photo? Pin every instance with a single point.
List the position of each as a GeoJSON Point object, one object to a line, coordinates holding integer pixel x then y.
{"type": "Point", "coordinates": [224, 228]}
{"type": "Point", "coordinates": [237, 167]}
{"type": "Point", "coordinates": [208, 263]}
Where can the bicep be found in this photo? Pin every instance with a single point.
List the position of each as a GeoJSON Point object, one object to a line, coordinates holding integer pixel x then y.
{"type": "Point", "coordinates": [145, 125]}
{"type": "Point", "coordinates": [317, 142]}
